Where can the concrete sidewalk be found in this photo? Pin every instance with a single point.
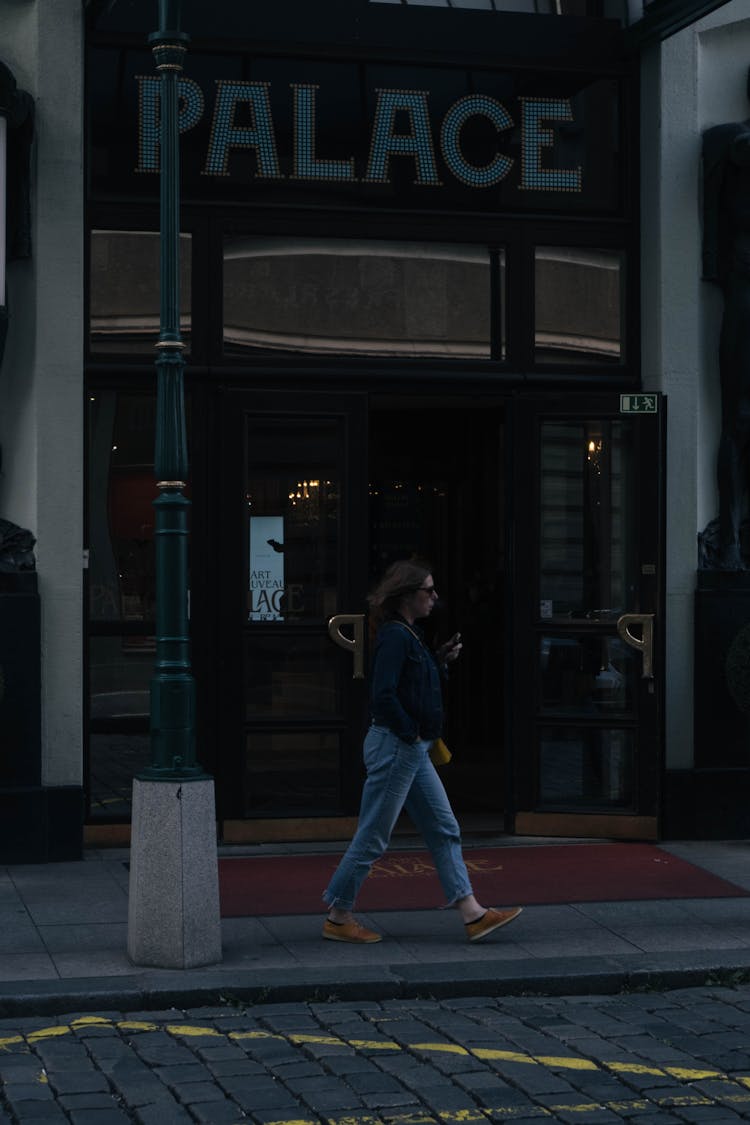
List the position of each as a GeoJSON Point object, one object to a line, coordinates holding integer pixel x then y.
{"type": "Point", "coordinates": [63, 944]}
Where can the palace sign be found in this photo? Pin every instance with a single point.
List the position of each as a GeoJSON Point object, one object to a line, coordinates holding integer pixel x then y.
{"type": "Point", "coordinates": [329, 133]}
{"type": "Point", "coordinates": [402, 127]}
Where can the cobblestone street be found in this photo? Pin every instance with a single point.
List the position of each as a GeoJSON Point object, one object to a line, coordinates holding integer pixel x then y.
{"type": "Point", "coordinates": [653, 1057]}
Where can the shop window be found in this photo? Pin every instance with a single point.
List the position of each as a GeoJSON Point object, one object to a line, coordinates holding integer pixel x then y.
{"type": "Point", "coordinates": [124, 288]}
{"type": "Point", "coordinates": [578, 306]}
{"type": "Point", "coordinates": [322, 297]}
{"type": "Point", "coordinates": [115, 759]}
{"type": "Point", "coordinates": [122, 593]}
{"type": "Point", "coordinates": [120, 675]}
{"type": "Point", "coordinates": [121, 492]}
{"type": "Point", "coordinates": [121, 516]}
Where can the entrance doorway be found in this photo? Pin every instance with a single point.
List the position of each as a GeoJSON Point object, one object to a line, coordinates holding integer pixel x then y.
{"type": "Point", "coordinates": [320, 496]}
{"type": "Point", "coordinates": [437, 490]}
{"type": "Point", "coordinates": [541, 518]}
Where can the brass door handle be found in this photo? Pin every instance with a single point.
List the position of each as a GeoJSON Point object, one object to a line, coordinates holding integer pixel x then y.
{"type": "Point", "coordinates": [643, 644]}
{"type": "Point", "coordinates": [354, 644]}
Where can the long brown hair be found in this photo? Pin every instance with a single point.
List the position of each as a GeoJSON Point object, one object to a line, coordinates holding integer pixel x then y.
{"type": "Point", "coordinates": [401, 578]}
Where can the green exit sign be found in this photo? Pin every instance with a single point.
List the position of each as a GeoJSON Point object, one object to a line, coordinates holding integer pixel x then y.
{"type": "Point", "coordinates": [638, 404]}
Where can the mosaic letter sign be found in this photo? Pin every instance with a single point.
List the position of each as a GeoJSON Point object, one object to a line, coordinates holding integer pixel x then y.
{"type": "Point", "coordinates": [348, 137]}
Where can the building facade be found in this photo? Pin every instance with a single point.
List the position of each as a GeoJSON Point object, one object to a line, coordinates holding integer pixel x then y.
{"type": "Point", "coordinates": [441, 295]}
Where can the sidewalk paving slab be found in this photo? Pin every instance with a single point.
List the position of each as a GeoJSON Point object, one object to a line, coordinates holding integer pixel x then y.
{"type": "Point", "coordinates": [63, 946]}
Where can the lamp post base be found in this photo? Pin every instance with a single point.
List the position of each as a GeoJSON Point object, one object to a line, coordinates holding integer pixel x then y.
{"type": "Point", "coordinates": [173, 908]}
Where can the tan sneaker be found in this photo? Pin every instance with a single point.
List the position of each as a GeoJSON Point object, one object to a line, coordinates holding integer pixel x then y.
{"type": "Point", "coordinates": [491, 920]}
{"type": "Point", "coordinates": [349, 931]}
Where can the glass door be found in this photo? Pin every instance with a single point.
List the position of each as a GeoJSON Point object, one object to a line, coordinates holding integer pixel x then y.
{"type": "Point", "coordinates": [295, 550]}
{"type": "Point", "coordinates": [438, 491]}
{"type": "Point", "coordinates": [588, 620]}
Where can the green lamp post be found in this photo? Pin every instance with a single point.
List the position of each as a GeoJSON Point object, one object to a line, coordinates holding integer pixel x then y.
{"type": "Point", "coordinates": [173, 901]}
{"type": "Point", "coordinates": [172, 685]}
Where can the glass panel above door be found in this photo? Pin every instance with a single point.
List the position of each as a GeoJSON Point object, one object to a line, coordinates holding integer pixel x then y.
{"type": "Point", "coordinates": [578, 305]}
{"type": "Point", "coordinates": [357, 297]}
{"type": "Point", "coordinates": [586, 554]}
{"type": "Point", "coordinates": [124, 287]}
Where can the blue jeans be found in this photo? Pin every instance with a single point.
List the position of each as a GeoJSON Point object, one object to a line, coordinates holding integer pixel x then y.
{"type": "Point", "coordinates": [400, 776]}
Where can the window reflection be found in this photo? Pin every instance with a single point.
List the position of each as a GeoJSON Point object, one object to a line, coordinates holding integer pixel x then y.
{"type": "Point", "coordinates": [122, 576]}
{"type": "Point", "coordinates": [293, 509]}
{"type": "Point", "coordinates": [290, 774]}
{"type": "Point", "coordinates": [121, 515]}
{"type": "Point", "coordinates": [586, 675]}
{"type": "Point", "coordinates": [115, 759]}
{"type": "Point", "coordinates": [120, 671]}
{"type": "Point", "coordinates": [124, 287]}
{"type": "Point", "coordinates": [578, 305]}
{"type": "Point", "coordinates": [289, 677]}
{"type": "Point", "coordinates": [356, 297]}
{"type": "Point", "coordinates": [580, 768]}
{"type": "Point", "coordinates": [586, 559]}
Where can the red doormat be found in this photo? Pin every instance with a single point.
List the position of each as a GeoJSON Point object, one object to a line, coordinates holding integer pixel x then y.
{"type": "Point", "coordinates": [293, 884]}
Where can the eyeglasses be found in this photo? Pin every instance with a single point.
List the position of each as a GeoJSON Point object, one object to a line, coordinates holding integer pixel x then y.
{"type": "Point", "coordinates": [428, 590]}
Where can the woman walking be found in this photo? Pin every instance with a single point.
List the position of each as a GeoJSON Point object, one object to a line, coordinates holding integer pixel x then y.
{"type": "Point", "coordinates": [406, 718]}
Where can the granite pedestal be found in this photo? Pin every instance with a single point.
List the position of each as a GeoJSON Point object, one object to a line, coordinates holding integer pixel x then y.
{"type": "Point", "coordinates": [173, 908]}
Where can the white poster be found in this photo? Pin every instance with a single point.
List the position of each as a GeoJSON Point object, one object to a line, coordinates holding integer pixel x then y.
{"type": "Point", "coordinates": [266, 568]}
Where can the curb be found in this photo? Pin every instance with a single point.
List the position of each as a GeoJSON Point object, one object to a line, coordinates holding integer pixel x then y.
{"type": "Point", "coordinates": [573, 976]}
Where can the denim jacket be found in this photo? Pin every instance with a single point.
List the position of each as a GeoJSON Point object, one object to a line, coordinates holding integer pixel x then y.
{"type": "Point", "coordinates": [405, 689]}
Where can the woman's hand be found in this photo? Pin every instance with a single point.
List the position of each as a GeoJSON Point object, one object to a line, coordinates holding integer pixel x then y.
{"type": "Point", "coordinates": [451, 650]}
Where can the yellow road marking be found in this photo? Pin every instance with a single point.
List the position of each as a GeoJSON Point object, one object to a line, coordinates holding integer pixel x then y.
{"type": "Point", "coordinates": [686, 1099]}
{"type": "Point", "coordinates": [373, 1044]}
{"type": "Point", "coordinates": [444, 1048]}
{"type": "Point", "coordinates": [686, 1074]}
{"type": "Point", "coordinates": [569, 1062]}
{"type": "Point", "coordinates": [326, 1040]}
{"type": "Point", "coordinates": [633, 1068]}
{"type": "Point", "coordinates": [253, 1035]}
{"type": "Point", "coordinates": [565, 1062]}
{"type": "Point", "coordinates": [10, 1040]}
{"type": "Point", "coordinates": [48, 1033]}
{"type": "Point", "coordinates": [294, 1121]}
{"type": "Point", "coordinates": [502, 1056]}
{"type": "Point", "coordinates": [365, 1120]}
{"type": "Point", "coordinates": [454, 1116]}
{"type": "Point", "coordinates": [192, 1032]}
{"type": "Point", "coordinates": [582, 1107]}
{"type": "Point", "coordinates": [463, 1115]}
